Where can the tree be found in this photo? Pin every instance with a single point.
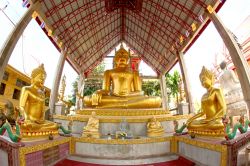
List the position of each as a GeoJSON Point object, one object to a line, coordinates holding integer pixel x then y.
{"type": "Point", "coordinates": [99, 69]}
{"type": "Point", "coordinates": [151, 88]}
{"type": "Point", "coordinates": [172, 82]}
{"type": "Point", "coordinates": [91, 85]}
{"type": "Point", "coordinates": [71, 99]}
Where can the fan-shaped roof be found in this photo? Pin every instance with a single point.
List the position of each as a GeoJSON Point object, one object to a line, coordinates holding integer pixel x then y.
{"type": "Point", "coordinates": [154, 29]}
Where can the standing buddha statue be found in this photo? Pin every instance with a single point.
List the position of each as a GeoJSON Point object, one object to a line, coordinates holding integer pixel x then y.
{"type": "Point", "coordinates": [62, 89]}
{"type": "Point", "coordinates": [121, 88]}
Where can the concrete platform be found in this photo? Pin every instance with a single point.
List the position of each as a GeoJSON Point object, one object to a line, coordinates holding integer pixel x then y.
{"type": "Point", "coordinates": [122, 149]}
{"type": "Point", "coordinates": [202, 150]}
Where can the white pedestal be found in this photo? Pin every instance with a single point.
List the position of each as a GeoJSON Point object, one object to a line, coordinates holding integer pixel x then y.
{"type": "Point", "coordinates": [4, 158]}
{"type": "Point", "coordinates": [60, 108]}
{"type": "Point", "coordinates": [122, 151]}
{"type": "Point", "coordinates": [183, 109]}
{"type": "Point", "coordinates": [198, 154]}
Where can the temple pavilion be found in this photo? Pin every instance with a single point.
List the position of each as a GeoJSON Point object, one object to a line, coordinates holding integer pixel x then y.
{"type": "Point", "coordinates": [160, 32]}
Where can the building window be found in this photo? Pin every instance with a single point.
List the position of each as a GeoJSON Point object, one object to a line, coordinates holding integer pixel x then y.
{"type": "Point", "coordinates": [20, 83]}
{"type": "Point", "coordinates": [16, 94]}
{"type": "Point", "coordinates": [2, 88]}
{"type": "Point", "coordinates": [6, 76]}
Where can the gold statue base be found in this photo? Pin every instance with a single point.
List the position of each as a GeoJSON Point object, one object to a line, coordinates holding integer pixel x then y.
{"type": "Point", "coordinates": [91, 134]}
{"type": "Point", "coordinates": [123, 112]}
{"type": "Point", "coordinates": [156, 134]}
{"type": "Point", "coordinates": [207, 133]}
{"type": "Point", "coordinates": [33, 135]}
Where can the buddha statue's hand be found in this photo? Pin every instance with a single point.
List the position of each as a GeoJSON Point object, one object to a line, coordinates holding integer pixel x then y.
{"type": "Point", "coordinates": [40, 121]}
{"type": "Point", "coordinates": [27, 124]}
{"type": "Point", "coordinates": [136, 93]}
{"type": "Point", "coordinates": [205, 121]}
{"type": "Point", "coordinates": [97, 96]}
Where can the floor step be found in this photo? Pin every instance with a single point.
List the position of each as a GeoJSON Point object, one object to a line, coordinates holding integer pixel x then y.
{"type": "Point", "coordinates": [149, 160]}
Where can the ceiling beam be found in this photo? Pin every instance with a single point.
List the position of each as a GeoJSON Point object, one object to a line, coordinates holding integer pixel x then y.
{"type": "Point", "coordinates": [123, 17]}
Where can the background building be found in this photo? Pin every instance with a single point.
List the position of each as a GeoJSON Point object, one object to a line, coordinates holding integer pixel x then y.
{"type": "Point", "coordinates": [10, 89]}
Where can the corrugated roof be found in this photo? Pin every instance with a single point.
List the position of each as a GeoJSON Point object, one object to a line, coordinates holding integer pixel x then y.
{"type": "Point", "coordinates": [154, 29]}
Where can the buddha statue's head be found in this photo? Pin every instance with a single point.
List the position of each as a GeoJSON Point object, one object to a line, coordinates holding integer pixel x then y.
{"type": "Point", "coordinates": [38, 76]}
{"type": "Point", "coordinates": [152, 119]}
{"type": "Point", "coordinates": [93, 113]}
{"type": "Point", "coordinates": [121, 58]}
{"type": "Point", "coordinates": [206, 78]}
{"type": "Point", "coordinates": [223, 65]}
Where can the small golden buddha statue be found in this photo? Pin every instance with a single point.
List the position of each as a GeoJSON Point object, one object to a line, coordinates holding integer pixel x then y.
{"type": "Point", "coordinates": [213, 108]}
{"type": "Point", "coordinates": [154, 128]}
{"type": "Point", "coordinates": [92, 127]}
{"type": "Point", "coordinates": [32, 107]}
{"type": "Point", "coordinates": [121, 88]}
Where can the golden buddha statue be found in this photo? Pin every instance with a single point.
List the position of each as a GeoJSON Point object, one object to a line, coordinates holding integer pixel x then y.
{"type": "Point", "coordinates": [92, 127]}
{"type": "Point", "coordinates": [154, 128]}
{"type": "Point", "coordinates": [213, 107]}
{"type": "Point", "coordinates": [62, 89]}
{"type": "Point", "coordinates": [121, 88]}
{"type": "Point", "coordinates": [32, 107]}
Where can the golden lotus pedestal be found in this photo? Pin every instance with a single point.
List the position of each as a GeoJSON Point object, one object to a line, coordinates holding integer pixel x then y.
{"type": "Point", "coordinates": [207, 133]}
{"type": "Point", "coordinates": [38, 135]}
{"type": "Point", "coordinates": [124, 112]}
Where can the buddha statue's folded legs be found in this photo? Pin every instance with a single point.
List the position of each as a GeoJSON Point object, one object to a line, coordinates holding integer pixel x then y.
{"type": "Point", "coordinates": [46, 126]}
{"type": "Point", "coordinates": [199, 125]}
{"type": "Point", "coordinates": [124, 102]}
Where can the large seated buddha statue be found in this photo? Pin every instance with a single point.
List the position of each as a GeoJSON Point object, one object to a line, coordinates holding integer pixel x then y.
{"type": "Point", "coordinates": [213, 107]}
{"type": "Point", "coordinates": [32, 107]}
{"type": "Point", "coordinates": [121, 88]}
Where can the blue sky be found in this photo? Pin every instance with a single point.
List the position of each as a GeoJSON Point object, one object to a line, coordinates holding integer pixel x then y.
{"type": "Point", "coordinates": [35, 48]}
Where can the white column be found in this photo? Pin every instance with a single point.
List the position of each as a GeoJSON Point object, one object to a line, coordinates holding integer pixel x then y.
{"type": "Point", "coordinates": [164, 92]}
{"type": "Point", "coordinates": [57, 78]}
{"type": "Point", "coordinates": [81, 84]}
{"type": "Point", "coordinates": [12, 39]}
{"type": "Point", "coordinates": [236, 54]}
{"type": "Point", "coordinates": [185, 81]}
